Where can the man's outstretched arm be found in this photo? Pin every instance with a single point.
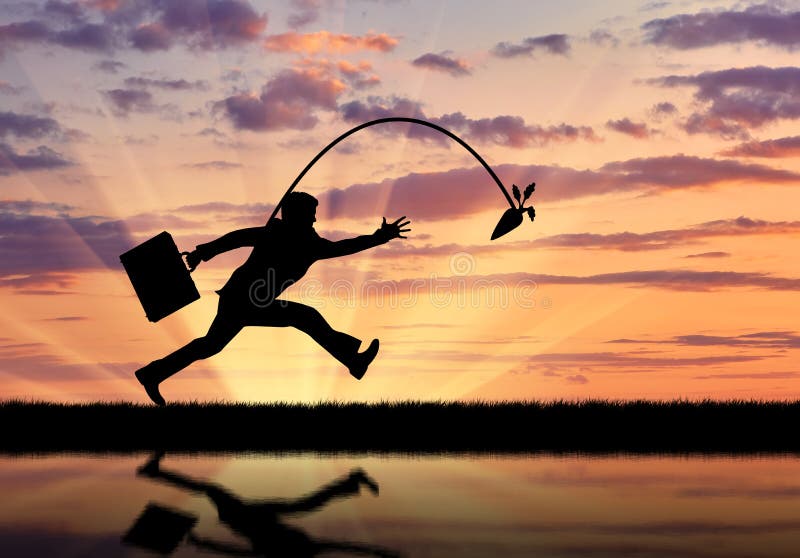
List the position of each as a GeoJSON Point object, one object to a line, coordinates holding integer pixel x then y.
{"type": "Point", "coordinates": [230, 241]}
{"type": "Point", "coordinates": [387, 232]}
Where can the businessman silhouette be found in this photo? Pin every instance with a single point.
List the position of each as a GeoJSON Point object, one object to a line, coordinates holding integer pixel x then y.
{"type": "Point", "coordinates": [261, 522]}
{"type": "Point", "coordinates": [283, 250]}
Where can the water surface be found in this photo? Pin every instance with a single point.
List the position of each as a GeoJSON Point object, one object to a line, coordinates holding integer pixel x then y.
{"type": "Point", "coordinates": [571, 506]}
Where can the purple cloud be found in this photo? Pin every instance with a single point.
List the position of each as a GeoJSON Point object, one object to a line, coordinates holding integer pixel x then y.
{"type": "Point", "coordinates": [626, 126]}
{"type": "Point", "coordinates": [709, 255]}
{"type": "Point", "coordinates": [740, 98]}
{"type": "Point", "coordinates": [764, 23]}
{"type": "Point", "coordinates": [307, 11]}
{"type": "Point", "coordinates": [169, 84]}
{"type": "Point", "coordinates": [552, 44]}
{"type": "Point", "coordinates": [109, 66]}
{"type": "Point", "coordinates": [213, 22]}
{"type": "Point", "coordinates": [762, 339]}
{"type": "Point", "coordinates": [150, 37]}
{"type": "Point", "coordinates": [33, 244]}
{"type": "Point", "coordinates": [664, 108]}
{"type": "Point", "coordinates": [287, 101]}
{"type": "Point", "coordinates": [27, 125]}
{"type": "Point", "coordinates": [782, 147]}
{"type": "Point", "coordinates": [8, 89]}
{"type": "Point", "coordinates": [602, 37]}
{"type": "Point", "coordinates": [40, 158]}
{"type": "Point", "coordinates": [510, 131]}
{"type": "Point", "coordinates": [214, 165]}
{"type": "Point", "coordinates": [125, 101]}
{"type": "Point", "coordinates": [146, 25]}
{"type": "Point", "coordinates": [443, 63]}
{"type": "Point", "coordinates": [413, 195]}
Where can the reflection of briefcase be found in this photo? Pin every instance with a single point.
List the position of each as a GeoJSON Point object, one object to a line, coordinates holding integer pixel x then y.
{"type": "Point", "coordinates": [159, 276]}
{"type": "Point", "coordinates": [159, 529]}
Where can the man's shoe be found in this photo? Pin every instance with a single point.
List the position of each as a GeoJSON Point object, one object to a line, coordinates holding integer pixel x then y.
{"type": "Point", "coordinates": [150, 386]}
{"type": "Point", "coordinates": [362, 360]}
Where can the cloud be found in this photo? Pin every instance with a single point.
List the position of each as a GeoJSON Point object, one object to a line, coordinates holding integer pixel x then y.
{"type": "Point", "coordinates": [27, 126]}
{"type": "Point", "coordinates": [626, 126]}
{"type": "Point", "coordinates": [413, 195]}
{"type": "Point", "coordinates": [359, 76]}
{"type": "Point", "coordinates": [8, 89]}
{"type": "Point", "coordinates": [332, 43]}
{"type": "Point", "coordinates": [125, 101]}
{"type": "Point", "coordinates": [551, 44]}
{"type": "Point", "coordinates": [782, 147]}
{"type": "Point", "coordinates": [150, 37]}
{"type": "Point", "coordinates": [40, 249]}
{"type": "Point", "coordinates": [662, 109]}
{"type": "Point", "coordinates": [738, 99]}
{"type": "Point", "coordinates": [209, 23]}
{"type": "Point", "coordinates": [214, 165]}
{"type": "Point", "coordinates": [40, 158]}
{"type": "Point", "coordinates": [510, 131]}
{"type": "Point", "coordinates": [146, 25]}
{"type": "Point", "coordinates": [751, 376]}
{"type": "Point", "coordinates": [109, 66]}
{"type": "Point", "coordinates": [602, 37]}
{"type": "Point", "coordinates": [287, 101]}
{"type": "Point", "coordinates": [761, 339]}
{"type": "Point", "coordinates": [764, 23]}
{"type": "Point", "coordinates": [709, 255]}
{"type": "Point", "coordinates": [306, 11]}
{"type": "Point", "coordinates": [443, 63]}
{"type": "Point", "coordinates": [168, 84]}
{"type": "Point", "coordinates": [577, 379]}
{"type": "Point", "coordinates": [670, 238]}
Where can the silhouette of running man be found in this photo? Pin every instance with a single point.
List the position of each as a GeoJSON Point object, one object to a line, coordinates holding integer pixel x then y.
{"type": "Point", "coordinates": [283, 250]}
{"type": "Point", "coordinates": [260, 522]}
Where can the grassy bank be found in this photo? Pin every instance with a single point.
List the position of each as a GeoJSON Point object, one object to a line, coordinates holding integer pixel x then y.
{"type": "Point", "coordinates": [590, 426]}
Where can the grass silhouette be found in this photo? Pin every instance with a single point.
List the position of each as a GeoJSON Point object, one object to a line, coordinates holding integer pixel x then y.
{"type": "Point", "coordinates": [733, 426]}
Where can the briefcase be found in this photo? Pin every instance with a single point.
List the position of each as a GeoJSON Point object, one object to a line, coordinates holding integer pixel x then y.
{"type": "Point", "coordinates": [159, 529]}
{"type": "Point", "coordinates": [159, 276]}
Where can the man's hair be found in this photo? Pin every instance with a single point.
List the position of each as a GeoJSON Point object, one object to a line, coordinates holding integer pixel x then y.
{"type": "Point", "coordinates": [297, 203]}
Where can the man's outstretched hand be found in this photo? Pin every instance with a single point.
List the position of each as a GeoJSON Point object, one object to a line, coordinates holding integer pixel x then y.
{"type": "Point", "coordinates": [393, 230]}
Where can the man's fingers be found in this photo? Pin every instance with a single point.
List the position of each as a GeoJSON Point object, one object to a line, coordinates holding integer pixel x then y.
{"type": "Point", "coordinates": [405, 230]}
{"type": "Point", "coordinates": [401, 236]}
{"type": "Point", "coordinates": [403, 224]}
{"type": "Point", "coordinates": [398, 221]}
{"type": "Point", "coordinates": [384, 222]}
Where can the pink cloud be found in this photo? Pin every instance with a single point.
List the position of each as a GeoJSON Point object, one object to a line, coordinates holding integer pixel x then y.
{"type": "Point", "coordinates": [764, 23]}
{"type": "Point", "coordinates": [287, 101]}
{"type": "Point", "coordinates": [325, 41]}
{"type": "Point", "coordinates": [626, 126]}
{"type": "Point", "coordinates": [443, 62]}
{"type": "Point", "coordinates": [782, 147]}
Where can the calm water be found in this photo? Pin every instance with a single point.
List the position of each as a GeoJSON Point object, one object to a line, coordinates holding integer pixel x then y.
{"type": "Point", "coordinates": [426, 506]}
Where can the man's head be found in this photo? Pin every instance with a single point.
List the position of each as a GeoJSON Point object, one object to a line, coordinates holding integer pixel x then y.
{"type": "Point", "coordinates": [299, 209]}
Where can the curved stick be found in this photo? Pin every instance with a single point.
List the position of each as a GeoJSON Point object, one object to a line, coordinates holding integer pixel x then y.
{"type": "Point", "coordinates": [352, 131]}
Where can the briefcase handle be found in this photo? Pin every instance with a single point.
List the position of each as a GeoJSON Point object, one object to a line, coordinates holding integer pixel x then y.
{"type": "Point", "coordinates": [189, 267]}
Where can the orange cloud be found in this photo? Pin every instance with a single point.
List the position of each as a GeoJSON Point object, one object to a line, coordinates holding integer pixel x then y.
{"type": "Point", "coordinates": [325, 41]}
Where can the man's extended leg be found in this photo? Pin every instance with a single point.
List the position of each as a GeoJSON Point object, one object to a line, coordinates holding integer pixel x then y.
{"type": "Point", "coordinates": [343, 347]}
{"type": "Point", "coordinates": [220, 333]}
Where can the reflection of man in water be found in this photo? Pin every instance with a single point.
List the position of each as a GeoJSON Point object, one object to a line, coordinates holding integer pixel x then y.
{"type": "Point", "coordinates": [283, 250]}
{"type": "Point", "coordinates": [260, 522]}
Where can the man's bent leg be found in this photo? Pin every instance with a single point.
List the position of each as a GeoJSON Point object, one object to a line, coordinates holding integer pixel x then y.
{"type": "Point", "coordinates": [219, 334]}
{"type": "Point", "coordinates": [341, 346]}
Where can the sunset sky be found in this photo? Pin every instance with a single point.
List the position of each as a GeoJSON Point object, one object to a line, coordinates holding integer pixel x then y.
{"type": "Point", "coordinates": [662, 136]}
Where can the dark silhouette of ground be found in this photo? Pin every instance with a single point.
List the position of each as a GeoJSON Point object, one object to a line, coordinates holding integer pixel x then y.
{"type": "Point", "coordinates": [261, 522]}
{"type": "Point", "coordinates": [283, 250]}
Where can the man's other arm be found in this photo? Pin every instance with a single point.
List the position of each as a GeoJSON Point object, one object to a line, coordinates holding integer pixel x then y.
{"type": "Point", "coordinates": [388, 231]}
